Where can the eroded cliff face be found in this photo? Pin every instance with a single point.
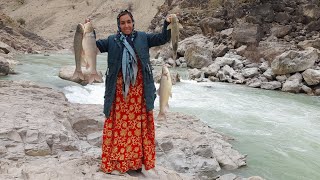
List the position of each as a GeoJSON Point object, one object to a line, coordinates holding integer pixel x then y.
{"type": "Point", "coordinates": [15, 37]}
{"type": "Point", "coordinates": [299, 18]}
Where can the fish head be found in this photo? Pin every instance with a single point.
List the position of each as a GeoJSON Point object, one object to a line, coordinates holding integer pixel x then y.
{"type": "Point", "coordinates": [80, 28]}
{"type": "Point", "coordinates": [174, 18]}
{"type": "Point", "coordinates": [88, 27]}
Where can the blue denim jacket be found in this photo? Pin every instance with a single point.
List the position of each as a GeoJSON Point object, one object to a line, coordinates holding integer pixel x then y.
{"type": "Point", "coordinates": [142, 43]}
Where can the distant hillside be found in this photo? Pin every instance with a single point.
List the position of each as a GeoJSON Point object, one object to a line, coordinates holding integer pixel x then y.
{"type": "Point", "coordinates": [20, 39]}
{"type": "Point", "coordinates": [56, 20]}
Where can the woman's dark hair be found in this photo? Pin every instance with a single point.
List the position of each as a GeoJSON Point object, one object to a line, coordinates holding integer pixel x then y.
{"type": "Point", "coordinates": [122, 13]}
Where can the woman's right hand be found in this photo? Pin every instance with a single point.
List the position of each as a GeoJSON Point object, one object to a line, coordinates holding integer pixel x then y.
{"type": "Point", "coordinates": [87, 20]}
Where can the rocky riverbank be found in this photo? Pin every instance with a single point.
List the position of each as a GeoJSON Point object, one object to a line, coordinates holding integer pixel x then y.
{"type": "Point", "coordinates": [263, 44]}
{"type": "Point", "coordinates": [43, 136]}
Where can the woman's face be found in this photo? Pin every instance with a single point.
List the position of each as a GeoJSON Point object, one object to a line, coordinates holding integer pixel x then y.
{"type": "Point", "coordinates": [126, 25]}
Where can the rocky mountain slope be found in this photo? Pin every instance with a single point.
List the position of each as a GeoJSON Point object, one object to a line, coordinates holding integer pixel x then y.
{"type": "Point", "coordinates": [56, 20]}
{"type": "Point", "coordinates": [276, 42]}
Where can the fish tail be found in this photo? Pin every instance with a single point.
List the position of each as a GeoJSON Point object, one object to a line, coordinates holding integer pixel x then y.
{"type": "Point", "coordinates": [77, 75]}
{"type": "Point", "coordinates": [161, 116]}
{"type": "Point", "coordinates": [94, 78]}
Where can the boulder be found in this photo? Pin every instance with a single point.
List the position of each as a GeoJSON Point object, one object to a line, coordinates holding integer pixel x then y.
{"type": "Point", "coordinates": [4, 67]}
{"type": "Point", "coordinates": [294, 61]}
{"type": "Point", "coordinates": [198, 57]}
{"type": "Point", "coordinates": [66, 73]}
{"type": "Point", "coordinates": [311, 76]}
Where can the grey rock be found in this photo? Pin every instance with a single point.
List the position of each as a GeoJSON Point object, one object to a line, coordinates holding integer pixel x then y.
{"type": "Point", "coordinates": [294, 61]}
{"type": "Point", "coordinates": [311, 76]}
{"type": "Point", "coordinates": [271, 85]}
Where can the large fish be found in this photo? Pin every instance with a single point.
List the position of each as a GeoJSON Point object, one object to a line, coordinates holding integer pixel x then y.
{"type": "Point", "coordinates": [174, 26]}
{"type": "Point", "coordinates": [77, 45]}
{"type": "Point", "coordinates": [90, 53]}
{"type": "Point", "coordinates": [164, 92]}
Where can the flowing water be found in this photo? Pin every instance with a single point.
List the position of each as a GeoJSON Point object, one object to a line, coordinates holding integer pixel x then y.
{"type": "Point", "coordinates": [280, 132]}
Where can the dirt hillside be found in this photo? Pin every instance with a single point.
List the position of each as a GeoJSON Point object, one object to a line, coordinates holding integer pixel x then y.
{"type": "Point", "coordinates": [56, 20]}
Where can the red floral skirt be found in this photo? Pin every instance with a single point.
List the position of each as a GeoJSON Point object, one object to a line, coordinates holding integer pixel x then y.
{"type": "Point", "coordinates": [128, 134]}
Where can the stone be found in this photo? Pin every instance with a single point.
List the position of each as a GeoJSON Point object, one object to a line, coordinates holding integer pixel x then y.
{"type": "Point", "coordinates": [311, 76]}
{"type": "Point", "coordinates": [39, 149]}
{"type": "Point", "coordinates": [294, 61]}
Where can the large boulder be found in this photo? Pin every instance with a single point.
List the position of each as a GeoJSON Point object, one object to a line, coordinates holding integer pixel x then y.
{"type": "Point", "coordinates": [4, 67]}
{"type": "Point", "coordinates": [211, 25]}
{"type": "Point", "coordinates": [66, 73]}
{"type": "Point", "coordinates": [247, 33]}
{"type": "Point", "coordinates": [294, 61]}
{"type": "Point", "coordinates": [280, 31]}
{"type": "Point", "coordinates": [197, 40]}
{"type": "Point", "coordinates": [198, 57]}
{"type": "Point", "coordinates": [315, 43]}
{"type": "Point", "coordinates": [293, 83]}
{"type": "Point", "coordinates": [271, 48]}
{"type": "Point", "coordinates": [311, 76]}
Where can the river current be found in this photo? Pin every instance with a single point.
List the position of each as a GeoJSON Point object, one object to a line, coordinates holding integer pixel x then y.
{"type": "Point", "coordinates": [280, 132]}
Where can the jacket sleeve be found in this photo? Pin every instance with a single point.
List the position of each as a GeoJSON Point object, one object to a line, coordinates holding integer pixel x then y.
{"type": "Point", "coordinates": [102, 45]}
{"type": "Point", "coordinates": [157, 39]}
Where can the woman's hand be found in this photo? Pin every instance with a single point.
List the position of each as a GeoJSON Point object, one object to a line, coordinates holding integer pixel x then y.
{"type": "Point", "coordinates": [168, 19]}
{"type": "Point", "coordinates": [87, 20]}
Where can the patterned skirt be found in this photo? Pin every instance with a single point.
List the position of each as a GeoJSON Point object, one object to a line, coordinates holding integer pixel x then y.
{"type": "Point", "coordinates": [129, 133]}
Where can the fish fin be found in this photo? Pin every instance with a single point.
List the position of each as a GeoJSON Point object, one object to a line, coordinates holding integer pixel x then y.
{"type": "Point", "coordinates": [161, 116]}
{"type": "Point", "coordinates": [82, 59]}
{"type": "Point", "coordinates": [169, 27]}
{"type": "Point", "coordinates": [167, 108]}
{"type": "Point", "coordinates": [180, 26]}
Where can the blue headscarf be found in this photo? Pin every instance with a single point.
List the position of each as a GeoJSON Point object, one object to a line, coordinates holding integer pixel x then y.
{"type": "Point", "coordinates": [129, 58]}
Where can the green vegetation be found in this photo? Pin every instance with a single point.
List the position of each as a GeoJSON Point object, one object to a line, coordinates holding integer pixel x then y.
{"type": "Point", "coordinates": [21, 21]}
{"type": "Point", "coordinates": [21, 1]}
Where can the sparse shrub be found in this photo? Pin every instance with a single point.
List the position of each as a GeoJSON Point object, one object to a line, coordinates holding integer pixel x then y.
{"type": "Point", "coordinates": [21, 21]}
{"type": "Point", "coordinates": [73, 7]}
{"type": "Point", "coordinates": [130, 6]}
{"type": "Point", "coordinates": [88, 4]}
{"type": "Point", "coordinates": [21, 1]}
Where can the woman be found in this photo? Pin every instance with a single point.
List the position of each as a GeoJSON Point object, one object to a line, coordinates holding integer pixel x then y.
{"type": "Point", "coordinates": [129, 133]}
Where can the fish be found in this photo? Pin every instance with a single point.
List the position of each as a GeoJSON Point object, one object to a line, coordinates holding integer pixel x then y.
{"type": "Point", "coordinates": [174, 26]}
{"type": "Point", "coordinates": [164, 92]}
{"type": "Point", "coordinates": [90, 53]}
{"type": "Point", "coordinates": [77, 46]}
